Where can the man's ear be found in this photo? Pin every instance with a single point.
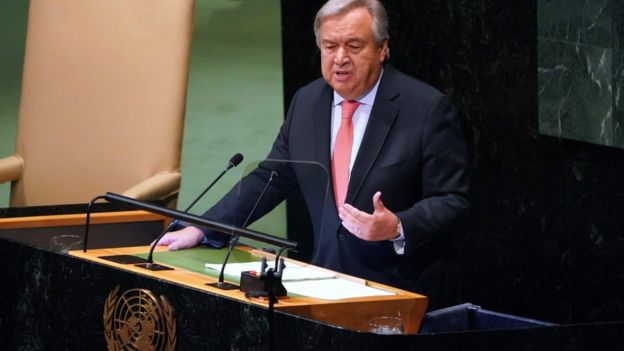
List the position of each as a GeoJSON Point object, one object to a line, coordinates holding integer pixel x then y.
{"type": "Point", "coordinates": [383, 50]}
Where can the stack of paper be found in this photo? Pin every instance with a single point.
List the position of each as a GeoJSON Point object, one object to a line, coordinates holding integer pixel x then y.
{"type": "Point", "coordinates": [333, 289]}
{"type": "Point", "coordinates": [309, 281]}
{"type": "Point", "coordinates": [292, 271]}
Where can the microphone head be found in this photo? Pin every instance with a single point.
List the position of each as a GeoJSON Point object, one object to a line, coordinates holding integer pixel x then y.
{"type": "Point", "coordinates": [235, 160]}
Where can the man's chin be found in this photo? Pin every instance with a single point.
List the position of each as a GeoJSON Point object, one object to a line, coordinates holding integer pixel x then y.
{"type": "Point", "coordinates": [343, 90]}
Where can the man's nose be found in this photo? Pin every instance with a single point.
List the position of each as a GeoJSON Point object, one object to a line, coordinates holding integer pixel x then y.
{"type": "Point", "coordinates": [342, 56]}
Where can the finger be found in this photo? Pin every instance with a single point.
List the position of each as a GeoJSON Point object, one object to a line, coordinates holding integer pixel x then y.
{"type": "Point", "coordinates": [352, 228]}
{"type": "Point", "coordinates": [354, 225]}
{"type": "Point", "coordinates": [178, 243]}
{"type": "Point", "coordinates": [355, 214]}
{"type": "Point", "coordinates": [350, 225]}
{"type": "Point", "coordinates": [166, 240]}
{"type": "Point", "coordinates": [377, 204]}
{"type": "Point", "coordinates": [346, 215]}
{"type": "Point", "coordinates": [350, 209]}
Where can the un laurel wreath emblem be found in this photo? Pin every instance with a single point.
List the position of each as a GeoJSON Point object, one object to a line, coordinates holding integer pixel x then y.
{"type": "Point", "coordinates": [137, 320]}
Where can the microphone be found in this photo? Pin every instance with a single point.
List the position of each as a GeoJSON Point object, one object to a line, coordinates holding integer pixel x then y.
{"type": "Point", "coordinates": [149, 262]}
{"type": "Point", "coordinates": [227, 286]}
{"type": "Point", "coordinates": [233, 162]}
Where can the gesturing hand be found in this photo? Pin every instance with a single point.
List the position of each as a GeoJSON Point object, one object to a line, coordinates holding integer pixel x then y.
{"type": "Point", "coordinates": [380, 225]}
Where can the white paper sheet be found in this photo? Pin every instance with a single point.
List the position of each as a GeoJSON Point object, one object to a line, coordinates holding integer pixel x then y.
{"type": "Point", "coordinates": [292, 272]}
{"type": "Point", "coordinates": [308, 281]}
{"type": "Point", "coordinates": [333, 289]}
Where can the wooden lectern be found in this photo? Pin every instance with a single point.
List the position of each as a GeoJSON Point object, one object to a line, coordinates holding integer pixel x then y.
{"type": "Point", "coordinates": [79, 294]}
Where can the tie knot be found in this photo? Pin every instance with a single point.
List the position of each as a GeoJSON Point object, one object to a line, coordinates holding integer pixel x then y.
{"type": "Point", "coordinates": [348, 107]}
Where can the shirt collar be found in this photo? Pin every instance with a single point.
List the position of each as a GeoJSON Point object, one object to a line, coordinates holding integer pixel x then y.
{"type": "Point", "coordinates": [367, 98]}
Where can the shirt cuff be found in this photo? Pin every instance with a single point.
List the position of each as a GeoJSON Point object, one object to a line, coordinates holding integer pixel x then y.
{"type": "Point", "coordinates": [217, 244]}
{"type": "Point", "coordinates": [399, 243]}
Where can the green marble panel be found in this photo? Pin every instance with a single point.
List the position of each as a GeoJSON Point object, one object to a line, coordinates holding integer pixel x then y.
{"type": "Point", "coordinates": [580, 71]}
{"type": "Point", "coordinates": [618, 25]}
{"type": "Point", "coordinates": [575, 91]}
{"type": "Point", "coordinates": [618, 99]}
{"type": "Point", "coordinates": [576, 21]}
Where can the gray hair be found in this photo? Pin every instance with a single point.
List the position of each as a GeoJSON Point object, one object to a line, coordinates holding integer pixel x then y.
{"type": "Point", "coordinates": [339, 7]}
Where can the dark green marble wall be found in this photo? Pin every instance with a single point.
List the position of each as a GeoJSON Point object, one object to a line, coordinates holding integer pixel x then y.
{"type": "Point", "coordinates": [580, 66]}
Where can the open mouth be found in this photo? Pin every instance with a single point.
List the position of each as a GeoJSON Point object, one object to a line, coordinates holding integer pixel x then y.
{"type": "Point", "coordinates": [342, 75]}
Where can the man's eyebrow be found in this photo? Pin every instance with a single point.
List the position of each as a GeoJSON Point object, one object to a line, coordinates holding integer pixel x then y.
{"type": "Point", "coordinates": [348, 40]}
{"type": "Point", "coordinates": [355, 40]}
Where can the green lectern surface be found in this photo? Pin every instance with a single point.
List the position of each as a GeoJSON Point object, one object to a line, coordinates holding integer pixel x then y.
{"type": "Point", "coordinates": [195, 259]}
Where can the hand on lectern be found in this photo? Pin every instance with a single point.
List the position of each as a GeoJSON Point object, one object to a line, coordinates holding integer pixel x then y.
{"type": "Point", "coordinates": [182, 239]}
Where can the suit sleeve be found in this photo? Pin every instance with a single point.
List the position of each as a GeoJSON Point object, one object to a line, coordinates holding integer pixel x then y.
{"type": "Point", "coordinates": [234, 208]}
{"type": "Point", "coordinates": [445, 179]}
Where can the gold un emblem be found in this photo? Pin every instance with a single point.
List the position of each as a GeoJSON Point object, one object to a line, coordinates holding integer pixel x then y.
{"type": "Point", "coordinates": [137, 320]}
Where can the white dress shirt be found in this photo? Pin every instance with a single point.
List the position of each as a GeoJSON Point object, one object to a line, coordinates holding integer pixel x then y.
{"type": "Point", "coordinates": [360, 121]}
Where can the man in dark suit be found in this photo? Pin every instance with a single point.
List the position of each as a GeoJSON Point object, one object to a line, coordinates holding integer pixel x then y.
{"type": "Point", "coordinates": [381, 135]}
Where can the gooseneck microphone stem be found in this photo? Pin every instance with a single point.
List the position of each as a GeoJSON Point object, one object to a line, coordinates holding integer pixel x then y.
{"type": "Point", "coordinates": [235, 238]}
{"type": "Point", "coordinates": [279, 254]}
{"type": "Point", "coordinates": [234, 161]}
{"type": "Point", "coordinates": [142, 205]}
{"type": "Point", "coordinates": [86, 234]}
{"type": "Point", "coordinates": [150, 256]}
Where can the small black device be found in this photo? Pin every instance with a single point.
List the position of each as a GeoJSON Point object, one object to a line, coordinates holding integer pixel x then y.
{"type": "Point", "coordinates": [266, 282]}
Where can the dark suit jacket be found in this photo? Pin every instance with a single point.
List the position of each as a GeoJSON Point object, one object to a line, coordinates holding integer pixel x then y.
{"type": "Point", "coordinates": [412, 151]}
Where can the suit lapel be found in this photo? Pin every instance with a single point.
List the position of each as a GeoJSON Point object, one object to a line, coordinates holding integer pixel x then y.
{"type": "Point", "coordinates": [322, 132]}
{"type": "Point", "coordinates": [380, 121]}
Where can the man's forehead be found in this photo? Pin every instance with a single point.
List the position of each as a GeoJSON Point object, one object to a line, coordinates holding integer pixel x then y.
{"type": "Point", "coordinates": [342, 38]}
{"type": "Point", "coordinates": [355, 17]}
{"type": "Point", "coordinates": [346, 28]}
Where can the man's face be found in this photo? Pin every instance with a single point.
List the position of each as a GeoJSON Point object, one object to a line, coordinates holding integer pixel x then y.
{"type": "Point", "coordinates": [350, 58]}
